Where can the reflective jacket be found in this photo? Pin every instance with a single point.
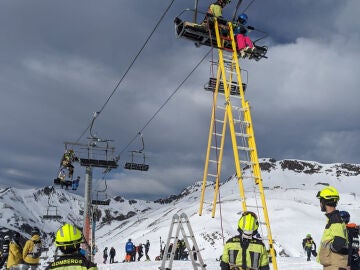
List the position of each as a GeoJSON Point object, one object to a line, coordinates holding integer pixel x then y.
{"type": "Point", "coordinates": [15, 254]}
{"type": "Point", "coordinates": [73, 262]}
{"type": "Point", "coordinates": [244, 254]}
{"type": "Point", "coordinates": [309, 243]}
{"type": "Point", "coordinates": [28, 248]}
{"type": "Point", "coordinates": [333, 246]}
{"type": "Point", "coordinates": [215, 10]}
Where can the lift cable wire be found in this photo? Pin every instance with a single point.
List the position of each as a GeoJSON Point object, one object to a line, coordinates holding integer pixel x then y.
{"type": "Point", "coordinates": [247, 7]}
{"type": "Point", "coordinates": [166, 101]}
{"type": "Point", "coordinates": [126, 72]}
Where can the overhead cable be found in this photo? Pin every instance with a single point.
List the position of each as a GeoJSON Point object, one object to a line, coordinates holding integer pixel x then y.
{"type": "Point", "coordinates": [126, 72]}
{"type": "Point", "coordinates": [165, 102]}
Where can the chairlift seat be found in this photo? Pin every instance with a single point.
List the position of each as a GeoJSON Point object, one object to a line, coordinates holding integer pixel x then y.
{"type": "Point", "coordinates": [52, 217]}
{"type": "Point", "coordinates": [98, 163]}
{"type": "Point", "coordinates": [234, 87]}
{"type": "Point", "coordinates": [259, 52]}
{"type": "Point", "coordinates": [199, 33]}
{"type": "Point", "coordinates": [136, 166]}
{"type": "Point", "coordinates": [58, 181]}
{"type": "Point", "coordinates": [100, 202]}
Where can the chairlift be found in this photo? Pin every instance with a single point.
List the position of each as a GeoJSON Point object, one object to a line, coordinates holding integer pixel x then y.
{"type": "Point", "coordinates": [135, 165]}
{"type": "Point", "coordinates": [66, 169]}
{"type": "Point", "coordinates": [101, 199]}
{"type": "Point", "coordinates": [203, 34]}
{"type": "Point", "coordinates": [51, 212]}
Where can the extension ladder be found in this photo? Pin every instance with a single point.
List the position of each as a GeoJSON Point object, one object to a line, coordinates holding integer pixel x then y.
{"type": "Point", "coordinates": [230, 109]}
{"type": "Point", "coordinates": [183, 226]}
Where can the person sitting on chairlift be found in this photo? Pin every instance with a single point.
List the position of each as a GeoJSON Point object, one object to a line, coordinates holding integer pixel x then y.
{"type": "Point", "coordinates": [75, 183]}
{"type": "Point", "coordinates": [244, 43]}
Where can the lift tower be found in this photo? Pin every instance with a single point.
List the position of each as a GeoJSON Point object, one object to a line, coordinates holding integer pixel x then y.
{"type": "Point", "coordinates": [231, 110]}
{"type": "Point", "coordinates": [96, 154]}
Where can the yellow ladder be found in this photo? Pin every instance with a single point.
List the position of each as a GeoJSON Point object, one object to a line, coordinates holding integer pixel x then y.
{"type": "Point", "coordinates": [230, 109]}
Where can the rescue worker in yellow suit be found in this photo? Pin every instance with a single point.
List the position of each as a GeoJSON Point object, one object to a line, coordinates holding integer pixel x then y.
{"type": "Point", "coordinates": [215, 9]}
{"type": "Point", "coordinates": [244, 251]}
{"type": "Point", "coordinates": [333, 252]}
{"type": "Point", "coordinates": [68, 239]}
{"type": "Point", "coordinates": [15, 253]}
{"type": "Point", "coordinates": [32, 251]}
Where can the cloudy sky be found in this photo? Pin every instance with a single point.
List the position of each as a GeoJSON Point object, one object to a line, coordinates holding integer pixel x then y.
{"type": "Point", "coordinates": [61, 61]}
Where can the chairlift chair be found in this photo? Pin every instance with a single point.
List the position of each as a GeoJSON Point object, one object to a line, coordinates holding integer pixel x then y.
{"type": "Point", "coordinates": [101, 200]}
{"type": "Point", "coordinates": [51, 212]}
{"type": "Point", "coordinates": [134, 165]}
{"type": "Point", "coordinates": [203, 34]}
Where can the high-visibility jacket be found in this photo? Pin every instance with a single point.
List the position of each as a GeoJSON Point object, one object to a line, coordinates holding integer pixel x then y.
{"type": "Point", "coordinates": [15, 254]}
{"type": "Point", "coordinates": [334, 242]}
{"type": "Point", "coordinates": [28, 249]}
{"type": "Point", "coordinates": [309, 243]}
{"type": "Point", "coordinates": [73, 262]}
{"type": "Point", "coordinates": [215, 10]}
{"type": "Point", "coordinates": [244, 254]}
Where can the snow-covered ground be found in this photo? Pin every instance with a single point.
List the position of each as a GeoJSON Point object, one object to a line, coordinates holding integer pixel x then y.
{"type": "Point", "coordinates": [293, 208]}
{"type": "Point", "coordinates": [298, 263]}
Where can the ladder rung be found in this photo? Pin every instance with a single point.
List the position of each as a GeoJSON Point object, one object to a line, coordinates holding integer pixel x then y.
{"type": "Point", "coordinates": [212, 175]}
{"type": "Point", "coordinates": [242, 122]}
{"type": "Point", "coordinates": [244, 135]}
{"type": "Point", "coordinates": [217, 134]}
{"type": "Point", "coordinates": [225, 38]}
{"type": "Point", "coordinates": [246, 162]}
{"type": "Point", "coordinates": [213, 161]}
{"type": "Point", "coordinates": [215, 147]}
{"type": "Point", "coordinates": [244, 148]}
{"type": "Point", "coordinates": [238, 109]}
{"type": "Point", "coordinates": [219, 121]}
{"type": "Point", "coordinates": [255, 206]}
{"type": "Point", "coordinates": [248, 177]}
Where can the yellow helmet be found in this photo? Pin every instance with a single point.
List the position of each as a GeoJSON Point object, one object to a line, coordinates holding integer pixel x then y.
{"type": "Point", "coordinates": [329, 194]}
{"type": "Point", "coordinates": [68, 235]}
{"type": "Point", "coordinates": [248, 223]}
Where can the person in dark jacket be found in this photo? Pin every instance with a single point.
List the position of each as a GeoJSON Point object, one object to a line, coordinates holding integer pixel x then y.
{"type": "Point", "coordinates": [334, 241]}
{"type": "Point", "coordinates": [105, 255]}
{"type": "Point", "coordinates": [140, 251]}
{"type": "Point", "coordinates": [353, 236]}
{"type": "Point", "coordinates": [68, 239]}
{"type": "Point", "coordinates": [4, 250]}
{"type": "Point", "coordinates": [112, 254]}
{"type": "Point", "coordinates": [147, 248]}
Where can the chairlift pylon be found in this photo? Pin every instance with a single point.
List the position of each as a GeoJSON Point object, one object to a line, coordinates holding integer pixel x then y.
{"type": "Point", "coordinates": [135, 165]}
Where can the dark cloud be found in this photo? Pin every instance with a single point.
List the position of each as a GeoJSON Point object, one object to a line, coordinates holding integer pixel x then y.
{"type": "Point", "coordinates": [61, 61]}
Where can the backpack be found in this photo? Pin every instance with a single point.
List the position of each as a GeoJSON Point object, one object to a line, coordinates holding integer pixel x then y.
{"type": "Point", "coordinates": [36, 251]}
{"type": "Point", "coordinates": [304, 242]}
{"type": "Point", "coordinates": [129, 247]}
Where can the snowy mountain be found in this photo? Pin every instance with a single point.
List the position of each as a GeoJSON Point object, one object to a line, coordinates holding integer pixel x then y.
{"type": "Point", "coordinates": [290, 188]}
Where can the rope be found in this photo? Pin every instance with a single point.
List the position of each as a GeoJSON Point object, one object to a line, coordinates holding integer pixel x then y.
{"type": "Point", "coordinates": [128, 69]}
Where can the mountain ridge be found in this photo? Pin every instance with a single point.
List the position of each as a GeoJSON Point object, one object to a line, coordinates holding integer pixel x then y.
{"type": "Point", "coordinates": [23, 209]}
